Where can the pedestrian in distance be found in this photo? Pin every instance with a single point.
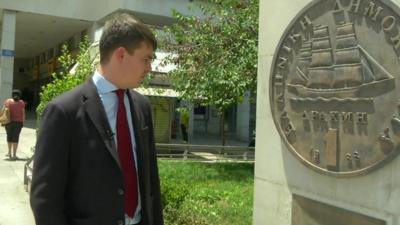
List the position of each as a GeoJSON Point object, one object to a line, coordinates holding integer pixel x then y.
{"type": "Point", "coordinates": [16, 109]}
{"type": "Point", "coordinates": [184, 119]}
{"type": "Point", "coordinates": [95, 160]}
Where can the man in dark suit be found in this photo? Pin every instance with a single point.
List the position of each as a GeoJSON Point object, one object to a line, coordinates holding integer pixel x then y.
{"type": "Point", "coordinates": [95, 160]}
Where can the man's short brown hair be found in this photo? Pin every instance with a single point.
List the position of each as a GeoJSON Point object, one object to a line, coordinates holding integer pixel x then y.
{"type": "Point", "coordinates": [124, 31]}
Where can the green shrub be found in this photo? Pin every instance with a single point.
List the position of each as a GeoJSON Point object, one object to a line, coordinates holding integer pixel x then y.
{"type": "Point", "coordinates": [196, 193]}
{"type": "Point", "coordinates": [174, 192]}
{"type": "Point", "coordinates": [65, 80]}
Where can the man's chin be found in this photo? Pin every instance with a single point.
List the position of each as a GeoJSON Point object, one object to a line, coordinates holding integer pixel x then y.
{"type": "Point", "coordinates": [137, 85]}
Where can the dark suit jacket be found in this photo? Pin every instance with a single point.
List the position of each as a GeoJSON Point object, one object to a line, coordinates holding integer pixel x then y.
{"type": "Point", "coordinates": [77, 178]}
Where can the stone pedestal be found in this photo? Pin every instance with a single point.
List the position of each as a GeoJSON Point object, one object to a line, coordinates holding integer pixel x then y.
{"type": "Point", "coordinates": [287, 190]}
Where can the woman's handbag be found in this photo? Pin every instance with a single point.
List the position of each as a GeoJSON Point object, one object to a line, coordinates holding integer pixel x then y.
{"type": "Point", "coordinates": [5, 116]}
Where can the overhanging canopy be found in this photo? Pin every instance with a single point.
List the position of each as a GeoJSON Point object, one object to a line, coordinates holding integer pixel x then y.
{"type": "Point", "coordinates": [158, 92]}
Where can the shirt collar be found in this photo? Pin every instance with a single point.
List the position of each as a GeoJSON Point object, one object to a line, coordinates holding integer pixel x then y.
{"type": "Point", "coordinates": [103, 85]}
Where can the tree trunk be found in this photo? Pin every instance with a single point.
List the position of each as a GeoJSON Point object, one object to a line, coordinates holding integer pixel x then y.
{"type": "Point", "coordinates": [222, 127]}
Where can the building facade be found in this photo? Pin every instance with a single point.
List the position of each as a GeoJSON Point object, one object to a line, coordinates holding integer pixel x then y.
{"type": "Point", "coordinates": [33, 32]}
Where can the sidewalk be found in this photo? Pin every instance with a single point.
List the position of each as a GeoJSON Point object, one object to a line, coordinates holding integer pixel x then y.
{"type": "Point", "coordinates": [14, 200]}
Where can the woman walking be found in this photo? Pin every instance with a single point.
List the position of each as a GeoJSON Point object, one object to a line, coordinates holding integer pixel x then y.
{"type": "Point", "coordinates": [17, 117]}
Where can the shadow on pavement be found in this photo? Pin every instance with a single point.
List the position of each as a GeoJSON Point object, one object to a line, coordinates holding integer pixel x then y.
{"type": "Point", "coordinates": [17, 159]}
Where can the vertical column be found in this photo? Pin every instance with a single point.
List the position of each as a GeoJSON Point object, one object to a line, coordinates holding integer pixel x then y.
{"type": "Point", "coordinates": [95, 31]}
{"type": "Point", "coordinates": [7, 50]}
{"type": "Point", "coordinates": [243, 119]}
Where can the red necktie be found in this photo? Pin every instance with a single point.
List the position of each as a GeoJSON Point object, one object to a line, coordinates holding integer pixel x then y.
{"type": "Point", "coordinates": [126, 157]}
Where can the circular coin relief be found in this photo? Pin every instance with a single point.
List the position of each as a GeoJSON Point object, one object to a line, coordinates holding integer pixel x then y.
{"type": "Point", "coordinates": [334, 86]}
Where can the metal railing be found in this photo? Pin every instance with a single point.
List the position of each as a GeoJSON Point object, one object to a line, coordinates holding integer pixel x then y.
{"type": "Point", "coordinates": [205, 152]}
{"type": "Point", "coordinates": [27, 173]}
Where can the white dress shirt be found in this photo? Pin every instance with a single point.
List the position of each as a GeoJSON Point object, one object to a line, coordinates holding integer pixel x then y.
{"type": "Point", "coordinates": [109, 99]}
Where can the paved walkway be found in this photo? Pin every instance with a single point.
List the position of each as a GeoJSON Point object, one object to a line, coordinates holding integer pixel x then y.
{"type": "Point", "coordinates": [14, 200]}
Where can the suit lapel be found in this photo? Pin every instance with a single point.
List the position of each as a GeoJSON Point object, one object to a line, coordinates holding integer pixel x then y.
{"type": "Point", "coordinates": [95, 110]}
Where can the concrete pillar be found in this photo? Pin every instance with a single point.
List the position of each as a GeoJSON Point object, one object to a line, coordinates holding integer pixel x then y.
{"type": "Point", "coordinates": [191, 120]}
{"type": "Point", "coordinates": [95, 32]}
{"type": "Point", "coordinates": [280, 177]}
{"type": "Point", "coordinates": [7, 48]}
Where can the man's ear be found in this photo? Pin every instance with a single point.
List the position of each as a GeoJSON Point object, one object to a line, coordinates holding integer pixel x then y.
{"type": "Point", "coordinates": [119, 54]}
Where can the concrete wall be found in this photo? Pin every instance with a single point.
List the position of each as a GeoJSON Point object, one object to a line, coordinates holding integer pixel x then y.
{"type": "Point", "coordinates": [86, 10]}
{"type": "Point", "coordinates": [278, 174]}
{"type": "Point", "coordinates": [158, 7]}
{"type": "Point", "coordinates": [93, 10]}
{"type": "Point", "coordinates": [21, 78]}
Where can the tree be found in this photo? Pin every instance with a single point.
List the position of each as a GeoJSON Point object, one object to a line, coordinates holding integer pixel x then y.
{"type": "Point", "coordinates": [65, 79]}
{"type": "Point", "coordinates": [215, 54]}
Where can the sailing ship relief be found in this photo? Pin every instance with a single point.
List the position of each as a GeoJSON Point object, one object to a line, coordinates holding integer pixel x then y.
{"type": "Point", "coordinates": [333, 99]}
{"type": "Point", "coordinates": [345, 70]}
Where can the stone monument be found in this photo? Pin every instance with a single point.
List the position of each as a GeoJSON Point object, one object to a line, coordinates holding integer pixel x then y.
{"type": "Point", "coordinates": [328, 117]}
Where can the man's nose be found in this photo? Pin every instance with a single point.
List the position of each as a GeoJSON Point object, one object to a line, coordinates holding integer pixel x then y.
{"type": "Point", "coordinates": [148, 68]}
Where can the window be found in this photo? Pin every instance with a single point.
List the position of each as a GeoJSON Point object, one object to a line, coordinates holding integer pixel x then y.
{"type": "Point", "coordinates": [200, 112]}
{"type": "Point", "coordinates": [50, 54]}
{"type": "Point", "coordinates": [42, 58]}
{"type": "Point", "coordinates": [37, 60]}
{"type": "Point", "coordinates": [58, 49]}
{"type": "Point", "coordinates": [71, 43]}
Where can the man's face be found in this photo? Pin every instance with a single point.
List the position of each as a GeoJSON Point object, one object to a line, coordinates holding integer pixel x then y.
{"type": "Point", "coordinates": [135, 66]}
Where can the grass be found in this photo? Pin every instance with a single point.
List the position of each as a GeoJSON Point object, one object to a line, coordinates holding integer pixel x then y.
{"type": "Point", "coordinates": [197, 193]}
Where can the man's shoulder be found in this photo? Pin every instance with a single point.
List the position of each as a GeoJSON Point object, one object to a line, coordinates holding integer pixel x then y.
{"type": "Point", "coordinates": [70, 98]}
{"type": "Point", "coordinates": [141, 99]}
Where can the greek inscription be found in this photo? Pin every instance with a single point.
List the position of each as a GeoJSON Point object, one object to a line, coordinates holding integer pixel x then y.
{"type": "Point", "coordinates": [347, 116]}
{"type": "Point", "coordinates": [288, 129]}
{"type": "Point", "coordinates": [304, 116]}
{"type": "Point", "coordinates": [305, 22]}
{"type": "Point", "coordinates": [349, 159]}
{"type": "Point", "coordinates": [294, 37]}
{"type": "Point", "coordinates": [284, 115]}
{"type": "Point", "coordinates": [280, 99]}
{"type": "Point", "coordinates": [287, 49]}
{"type": "Point", "coordinates": [322, 117]}
{"type": "Point", "coordinates": [278, 80]}
{"type": "Point", "coordinates": [354, 6]}
{"type": "Point", "coordinates": [283, 62]}
{"type": "Point", "coordinates": [334, 116]}
{"type": "Point", "coordinates": [338, 6]}
{"type": "Point", "coordinates": [314, 115]}
{"type": "Point", "coordinates": [372, 12]}
{"type": "Point", "coordinates": [388, 23]}
{"type": "Point", "coordinates": [396, 41]}
{"type": "Point", "coordinates": [357, 158]}
{"type": "Point", "coordinates": [362, 118]}
{"type": "Point", "coordinates": [316, 156]}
